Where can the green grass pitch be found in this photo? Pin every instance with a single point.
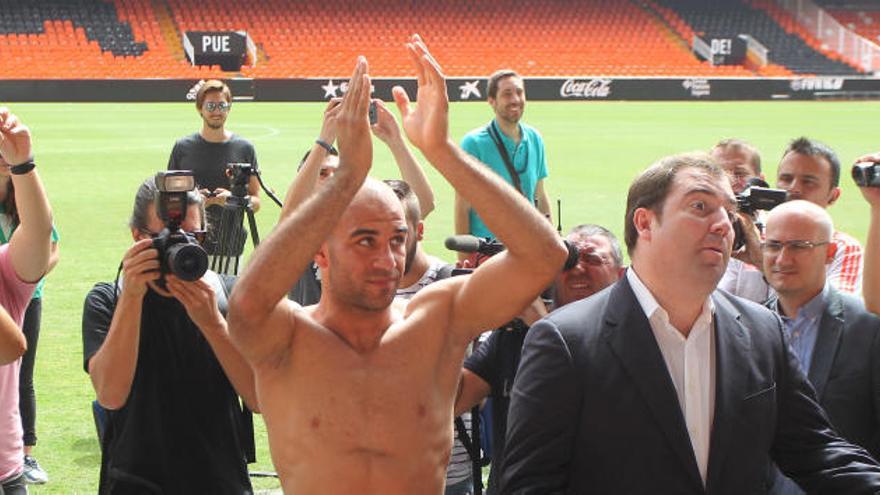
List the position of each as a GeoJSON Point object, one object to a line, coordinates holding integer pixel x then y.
{"type": "Point", "coordinates": [92, 157]}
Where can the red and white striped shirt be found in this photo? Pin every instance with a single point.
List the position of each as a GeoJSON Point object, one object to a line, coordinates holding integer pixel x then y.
{"type": "Point", "coordinates": [845, 271]}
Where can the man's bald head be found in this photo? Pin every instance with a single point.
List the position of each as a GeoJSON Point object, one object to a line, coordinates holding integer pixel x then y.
{"type": "Point", "coordinates": [805, 212]}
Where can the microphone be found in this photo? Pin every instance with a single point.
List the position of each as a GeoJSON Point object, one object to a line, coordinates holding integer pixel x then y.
{"type": "Point", "coordinates": [472, 244]}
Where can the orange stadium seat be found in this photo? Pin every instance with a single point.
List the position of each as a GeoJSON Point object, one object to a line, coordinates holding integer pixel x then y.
{"type": "Point", "coordinates": [299, 38]}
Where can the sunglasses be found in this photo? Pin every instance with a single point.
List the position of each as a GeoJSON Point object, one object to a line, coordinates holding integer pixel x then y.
{"type": "Point", "coordinates": [217, 105]}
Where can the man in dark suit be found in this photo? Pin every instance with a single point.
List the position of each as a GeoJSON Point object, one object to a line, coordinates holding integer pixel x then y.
{"type": "Point", "coordinates": [660, 384]}
{"type": "Point", "coordinates": [836, 341]}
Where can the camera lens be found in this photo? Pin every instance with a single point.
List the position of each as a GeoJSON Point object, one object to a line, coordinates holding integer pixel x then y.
{"type": "Point", "coordinates": [187, 261]}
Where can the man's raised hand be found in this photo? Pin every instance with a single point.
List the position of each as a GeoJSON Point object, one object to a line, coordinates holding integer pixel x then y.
{"type": "Point", "coordinates": [353, 123]}
{"type": "Point", "coordinates": [426, 126]}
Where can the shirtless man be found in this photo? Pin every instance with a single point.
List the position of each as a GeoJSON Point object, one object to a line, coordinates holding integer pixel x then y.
{"type": "Point", "coordinates": [357, 393]}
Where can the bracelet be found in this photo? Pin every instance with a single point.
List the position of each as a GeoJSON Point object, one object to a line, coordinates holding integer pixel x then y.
{"type": "Point", "coordinates": [327, 146]}
{"type": "Point", "coordinates": [22, 168]}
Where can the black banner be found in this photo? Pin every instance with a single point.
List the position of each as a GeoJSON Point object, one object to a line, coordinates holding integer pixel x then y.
{"type": "Point", "coordinates": [224, 48]}
{"type": "Point", "coordinates": [458, 89]}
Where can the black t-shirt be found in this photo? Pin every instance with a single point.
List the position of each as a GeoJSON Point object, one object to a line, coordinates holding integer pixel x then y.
{"type": "Point", "coordinates": [180, 430]}
{"type": "Point", "coordinates": [496, 361]}
{"type": "Point", "coordinates": [208, 162]}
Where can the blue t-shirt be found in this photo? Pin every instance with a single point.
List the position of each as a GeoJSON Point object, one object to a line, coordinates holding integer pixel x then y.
{"type": "Point", "coordinates": [527, 157]}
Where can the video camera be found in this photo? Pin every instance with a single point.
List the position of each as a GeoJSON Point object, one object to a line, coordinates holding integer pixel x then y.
{"type": "Point", "coordinates": [489, 247]}
{"type": "Point", "coordinates": [866, 174]}
{"type": "Point", "coordinates": [239, 175]}
{"type": "Point", "coordinates": [758, 195]}
{"type": "Point", "coordinates": [179, 252]}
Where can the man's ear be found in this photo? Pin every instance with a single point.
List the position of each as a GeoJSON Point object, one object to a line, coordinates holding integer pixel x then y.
{"type": "Point", "coordinates": [830, 251]}
{"type": "Point", "coordinates": [642, 222]}
{"type": "Point", "coordinates": [136, 234]}
{"type": "Point", "coordinates": [834, 195]}
{"type": "Point", "coordinates": [321, 259]}
{"type": "Point", "coordinates": [420, 231]}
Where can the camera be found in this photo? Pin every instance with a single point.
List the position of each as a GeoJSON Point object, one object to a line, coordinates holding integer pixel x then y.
{"type": "Point", "coordinates": [759, 196]}
{"type": "Point", "coordinates": [866, 174]}
{"type": "Point", "coordinates": [239, 175]}
{"type": "Point", "coordinates": [179, 251]}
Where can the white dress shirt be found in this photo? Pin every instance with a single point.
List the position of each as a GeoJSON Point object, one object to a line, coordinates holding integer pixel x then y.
{"type": "Point", "coordinates": [691, 364]}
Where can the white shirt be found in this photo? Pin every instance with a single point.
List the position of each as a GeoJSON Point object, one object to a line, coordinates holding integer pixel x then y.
{"type": "Point", "coordinates": [691, 364]}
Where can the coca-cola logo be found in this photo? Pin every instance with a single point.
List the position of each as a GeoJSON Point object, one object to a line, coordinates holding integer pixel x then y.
{"type": "Point", "coordinates": [594, 88]}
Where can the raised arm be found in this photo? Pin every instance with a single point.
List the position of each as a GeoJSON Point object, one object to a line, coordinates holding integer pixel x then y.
{"type": "Point", "coordinates": [112, 367]}
{"type": "Point", "coordinates": [260, 317]}
{"type": "Point", "coordinates": [12, 341]}
{"type": "Point", "coordinates": [387, 129]}
{"type": "Point", "coordinates": [504, 285]}
{"type": "Point", "coordinates": [30, 247]}
{"type": "Point", "coordinates": [871, 273]}
{"type": "Point", "coordinates": [306, 180]}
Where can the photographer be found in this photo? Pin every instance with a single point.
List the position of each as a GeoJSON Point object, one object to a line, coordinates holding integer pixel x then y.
{"type": "Point", "coordinates": [871, 281]}
{"type": "Point", "coordinates": [207, 153]}
{"type": "Point", "coordinates": [160, 359]}
{"type": "Point", "coordinates": [23, 262]}
{"type": "Point", "coordinates": [490, 370]}
{"type": "Point", "coordinates": [742, 162]}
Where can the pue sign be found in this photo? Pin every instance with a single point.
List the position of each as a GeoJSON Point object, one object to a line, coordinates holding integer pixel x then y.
{"type": "Point", "coordinates": [224, 48]}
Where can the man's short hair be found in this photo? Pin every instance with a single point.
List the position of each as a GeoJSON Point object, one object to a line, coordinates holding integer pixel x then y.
{"type": "Point", "coordinates": [810, 147]}
{"type": "Point", "coordinates": [305, 157]}
{"type": "Point", "coordinates": [211, 86]}
{"type": "Point", "coordinates": [650, 189]}
{"type": "Point", "coordinates": [592, 230]}
{"type": "Point", "coordinates": [734, 144]}
{"type": "Point", "coordinates": [148, 194]}
{"type": "Point", "coordinates": [495, 79]}
{"type": "Point", "coordinates": [408, 198]}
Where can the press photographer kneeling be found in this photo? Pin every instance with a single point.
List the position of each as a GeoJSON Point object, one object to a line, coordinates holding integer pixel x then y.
{"type": "Point", "coordinates": [158, 353]}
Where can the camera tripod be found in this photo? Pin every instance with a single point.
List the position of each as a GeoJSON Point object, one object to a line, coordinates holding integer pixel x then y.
{"type": "Point", "coordinates": [230, 235]}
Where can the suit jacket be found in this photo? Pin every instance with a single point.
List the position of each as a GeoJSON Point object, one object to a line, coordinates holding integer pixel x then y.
{"type": "Point", "coordinates": [845, 371]}
{"type": "Point", "coordinates": [594, 410]}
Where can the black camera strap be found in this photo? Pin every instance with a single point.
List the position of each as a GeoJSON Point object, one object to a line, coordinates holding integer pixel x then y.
{"type": "Point", "coordinates": [496, 138]}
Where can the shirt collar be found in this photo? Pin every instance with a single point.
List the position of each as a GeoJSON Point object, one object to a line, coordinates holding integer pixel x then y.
{"type": "Point", "coordinates": [814, 307]}
{"type": "Point", "coordinates": [505, 137]}
{"type": "Point", "coordinates": [650, 305]}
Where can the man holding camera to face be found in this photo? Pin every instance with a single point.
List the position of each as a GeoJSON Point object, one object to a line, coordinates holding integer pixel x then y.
{"type": "Point", "coordinates": [157, 350]}
{"type": "Point", "coordinates": [208, 153]}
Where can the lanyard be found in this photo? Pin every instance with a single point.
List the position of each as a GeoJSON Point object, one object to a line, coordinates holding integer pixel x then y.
{"type": "Point", "coordinates": [496, 138]}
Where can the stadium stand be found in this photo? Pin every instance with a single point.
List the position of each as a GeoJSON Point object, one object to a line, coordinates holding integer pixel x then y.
{"type": "Point", "coordinates": [789, 45]}
{"type": "Point", "coordinates": [863, 17]}
{"type": "Point", "coordinates": [97, 39]}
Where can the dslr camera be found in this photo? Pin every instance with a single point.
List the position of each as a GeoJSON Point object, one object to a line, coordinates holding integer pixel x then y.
{"type": "Point", "coordinates": [179, 252]}
{"type": "Point", "coordinates": [757, 196]}
{"type": "Point", "coordinates": [866, 174]}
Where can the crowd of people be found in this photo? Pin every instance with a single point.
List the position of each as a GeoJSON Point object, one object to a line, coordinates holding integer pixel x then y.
{"type": "Point", "coordinates": [748, 362]}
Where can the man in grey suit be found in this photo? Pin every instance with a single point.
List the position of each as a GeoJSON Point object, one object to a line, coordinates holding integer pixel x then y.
{"type": "Point", "coordinates": [836, 341]}
{"type": "Point", "coordinates": [660, 383]}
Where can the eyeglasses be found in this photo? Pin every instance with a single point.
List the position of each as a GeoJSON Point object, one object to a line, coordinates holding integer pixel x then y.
{"type": "Point", "coordinates": [217, 105]}
{"type": "Point", "coordinates": [795, 246]}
